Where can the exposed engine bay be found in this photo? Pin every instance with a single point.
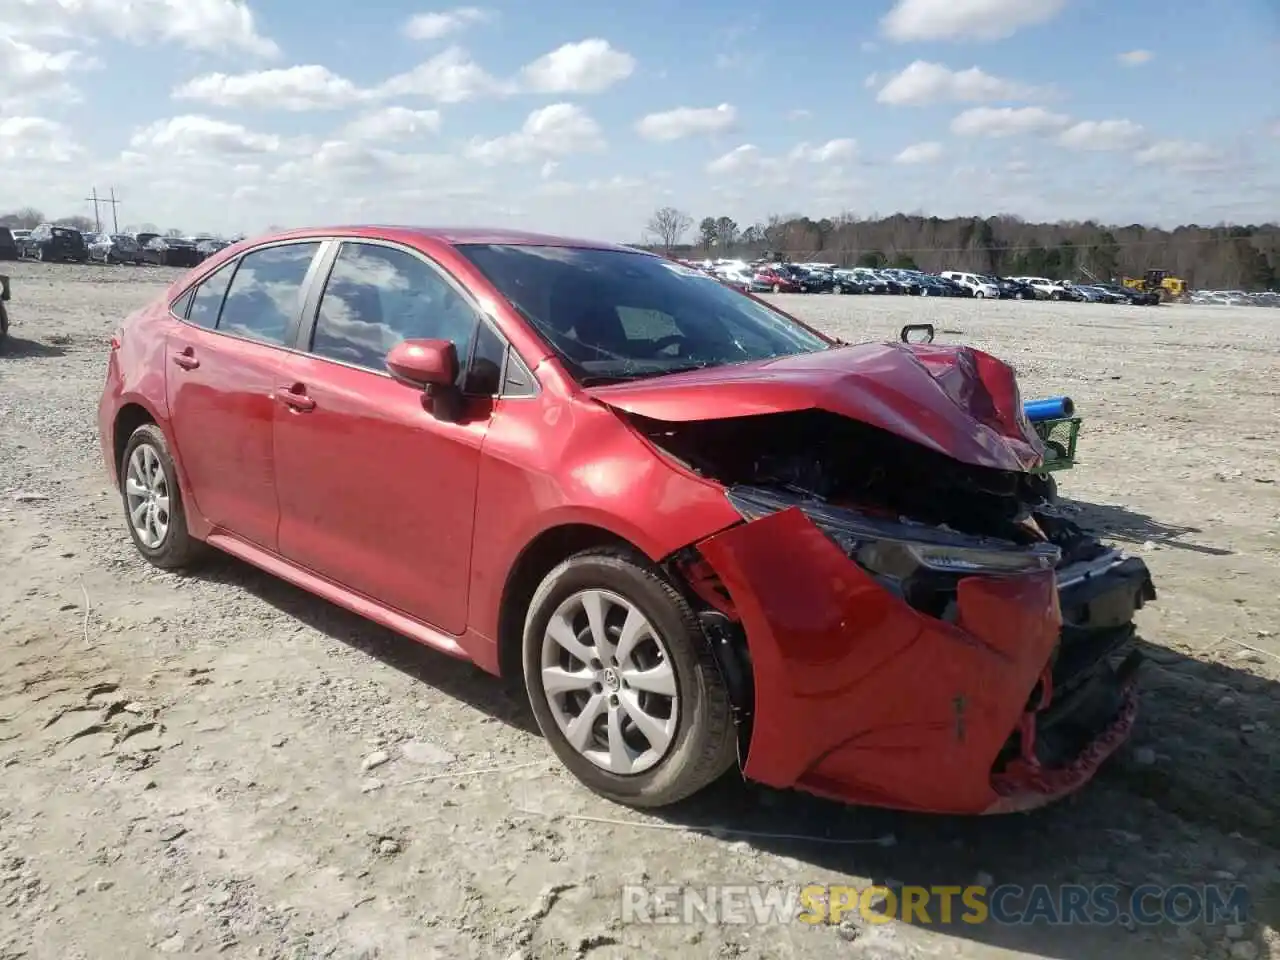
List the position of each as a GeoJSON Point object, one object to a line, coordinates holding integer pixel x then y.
{"type": "Point", "coordinates": [919, 523]}
{"type": "Point", "coordinates": [829, 458]}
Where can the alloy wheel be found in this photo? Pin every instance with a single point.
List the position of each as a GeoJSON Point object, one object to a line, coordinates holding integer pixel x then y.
{"type": "Point", "coordinates": [608, 679]}
{"type": "Point", "coordinates": [147, 496]}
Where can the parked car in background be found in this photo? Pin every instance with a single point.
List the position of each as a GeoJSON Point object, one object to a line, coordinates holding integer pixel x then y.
{"type": "Point", "coordinates": [8, 245]}
{"type": "Point", "coordinates": [171, 252]}
{"type": "Point", "coordinates": [736, 278]}
{"type": "Point", "coordinates": [1141, 298]}
{"type": "Point", "coordinates": [1094, 293]}
{"type": "Point", "coordinates": [980, 286]}
{"type": "Point", "coordinates": [1046, 289]}
{"type": "Point", "coordinates": [908, 282]}
{"type": "Point", "coordinates": [772, 279]}
{"type": "Point", "coordinates": [1011, 289]}
{"type": "Point", "coordinates": [208, 246]}
{"type": "Point", "coordinates": [849, 282]}
{"type": "Point", "coordinates": [114, 248]}
{"type": "Point", "coordinates": [20, 234]}
{"type": "Point", "coordinates": [694, 528]}
{"type": "Point", "coordinates": [49, 242]}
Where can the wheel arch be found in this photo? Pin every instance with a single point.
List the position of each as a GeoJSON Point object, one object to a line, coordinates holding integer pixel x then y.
{"type": "Point", "coordinates": [129, 418]}
{"type": "Point", "coordinates": [539, 557]}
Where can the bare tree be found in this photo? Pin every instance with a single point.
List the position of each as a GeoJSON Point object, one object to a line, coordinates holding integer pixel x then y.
{"type": "Point", "coordinates": [173, 232]}
{"type": "Point", "coordinates": [23, 219]}
{"type": "Point", "coordinates": [669, 225]}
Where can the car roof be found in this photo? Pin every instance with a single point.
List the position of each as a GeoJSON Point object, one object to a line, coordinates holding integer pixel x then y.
{"type": "Point", "coordinates": [453, 236]}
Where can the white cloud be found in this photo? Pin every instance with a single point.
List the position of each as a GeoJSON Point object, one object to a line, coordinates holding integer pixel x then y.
{"type": "Point", "coordinates": [433, 26]}
{"type": "Point", "coordinates": [28, 72]}
{"type": "Point", "coordinates": [927, 152]}
{"type": "Point", "coordinates": [1187, 156]}
{"type": "Point", "coordinates": [1136, 58]}
{"type": "Point", "coordinates": [687, 122]}
{"type": "Point", "coordinates": [914, 20]}
{"type": "Point", "coordinates": [588, 66]}
{"type": "Point", "coordinates": [306, 87]}
{"type": "Point", "coordinates": [922, 83]}
{"type": "Point", "coordinates": [747, 161]}
{"type": "Point", "coordinates": [558, 130]}
{"type": "Point", "coordinates": [36, 139]}
{"type": "Point", "coordinates": [192, 134]}
{"type": "Point", "coordinates": [392, 123]}
{"type": "Point", "coordinates": [212, 25]}
{"type": "Point", "coordinates": [1007, 121]}
{"type": "Point", "coordinates": [800, 113]}
{"type": "Point", "coordinates": [1103, 135]}
{"type": "Point", "coordinates": [833, 151]}
{"type": "Point", "coordinates": [451, 76]}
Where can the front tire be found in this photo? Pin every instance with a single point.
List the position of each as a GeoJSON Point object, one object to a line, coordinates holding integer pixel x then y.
{"type": "Point", "coordinates": [153, 508]}
{"type": "Point", "coordinates": [623, 682]}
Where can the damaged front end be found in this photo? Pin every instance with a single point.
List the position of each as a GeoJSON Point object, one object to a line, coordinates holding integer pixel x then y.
{"type": "Point", "coordinates": [920, 633]}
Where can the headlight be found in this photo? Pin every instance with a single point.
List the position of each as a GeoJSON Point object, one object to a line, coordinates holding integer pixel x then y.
{"type": "Point", "coordinates": [896, 549]}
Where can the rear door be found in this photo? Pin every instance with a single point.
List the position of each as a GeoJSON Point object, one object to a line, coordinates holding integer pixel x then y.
{"type": "Point", "coordinates": [377, 493]}
{"type": "Point", "coordinates": [224, 362]}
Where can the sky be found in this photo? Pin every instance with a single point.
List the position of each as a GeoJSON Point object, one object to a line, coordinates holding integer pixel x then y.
{"type": "Point", "coordinates": [230, 116]}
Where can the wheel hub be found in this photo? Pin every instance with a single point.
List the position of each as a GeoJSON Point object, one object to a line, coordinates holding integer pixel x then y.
{"type": "Point", "coordinates": [609, 683]}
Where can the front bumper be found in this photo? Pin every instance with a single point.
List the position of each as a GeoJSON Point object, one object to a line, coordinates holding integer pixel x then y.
{"type": "Point", "coordinates": [860, 697]}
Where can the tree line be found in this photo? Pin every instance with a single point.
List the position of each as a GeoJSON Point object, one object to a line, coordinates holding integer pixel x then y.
{"type": "Point", "coordinates": [1218, 257]}
{"type": "Point", "coordinates": [29, 217]}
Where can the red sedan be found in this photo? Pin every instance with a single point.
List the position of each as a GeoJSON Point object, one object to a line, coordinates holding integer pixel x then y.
{"type": "Point", "coordinates": [697, 529]}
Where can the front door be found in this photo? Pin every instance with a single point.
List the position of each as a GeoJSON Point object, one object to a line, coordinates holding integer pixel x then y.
{"type": "Point", "coordinates": [222, 370]}
{"type": "Point", "coordinates": [375, 492]}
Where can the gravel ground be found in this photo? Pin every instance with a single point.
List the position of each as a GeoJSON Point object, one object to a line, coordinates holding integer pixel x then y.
{"type": "Point", "coordinates": [220, 764]}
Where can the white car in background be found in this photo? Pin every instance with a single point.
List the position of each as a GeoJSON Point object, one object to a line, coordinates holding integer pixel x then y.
{"type": "Point", "coordinates": [982, 287]}
{"type": "Point", "coordinates": [1049, 289]}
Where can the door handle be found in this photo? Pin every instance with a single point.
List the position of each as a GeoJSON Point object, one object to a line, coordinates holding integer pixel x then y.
{"type": "Point", "coordinates": [296, 398]}
{"type": "Point", "coordinates": [186, 359]}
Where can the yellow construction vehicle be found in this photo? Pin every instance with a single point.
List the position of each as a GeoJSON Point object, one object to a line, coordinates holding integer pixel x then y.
{"type": "Point", "coordinates": [1160, 283]}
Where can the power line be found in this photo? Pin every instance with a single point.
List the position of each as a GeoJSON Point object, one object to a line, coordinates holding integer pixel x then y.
{"type": "Point", "coordinates": [115, 204]}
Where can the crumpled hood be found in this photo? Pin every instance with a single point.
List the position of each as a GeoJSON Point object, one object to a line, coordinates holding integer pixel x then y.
{"type": "Point", "coordinates": [958, 401]}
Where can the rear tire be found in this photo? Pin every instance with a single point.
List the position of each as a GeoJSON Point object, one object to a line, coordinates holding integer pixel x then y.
{"type": "Point", "coordinates": [699, 733]}
{"type": "Point", "coordinates": [174, 547]}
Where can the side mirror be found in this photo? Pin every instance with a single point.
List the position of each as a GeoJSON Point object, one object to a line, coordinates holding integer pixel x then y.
{"type": "Point", "coordinates": [917, 333]}
{"type": "Point", "coordinates": [424, 363]}
{"type": "Point", "coordinates": [432, 367]}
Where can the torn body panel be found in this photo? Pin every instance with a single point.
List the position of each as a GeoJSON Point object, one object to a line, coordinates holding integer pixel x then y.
{"type": "Point", "coordinates": [954, 401]}
{"type": "Point", "coordinates": [881, 694]}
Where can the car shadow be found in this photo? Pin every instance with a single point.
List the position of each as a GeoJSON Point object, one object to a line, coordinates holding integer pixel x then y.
{"type": "Point", "coordinates": [1191, 800]}
{"type": "Point", "coordinates": [17, 348]}
{"type": "Point", "coordinates": [456, 678]}
{"type": "Point", "coordinates": [1129, 526]}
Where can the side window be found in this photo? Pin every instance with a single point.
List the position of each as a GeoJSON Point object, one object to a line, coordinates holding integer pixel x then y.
{"type": "Point", "coordinates": [265, 298]}
{"type": "Point", "coordinates": [180, 306]}
{"type": "Point", "coordinates": [208, 298]}
{"type": "Point", "coordinates": [484, 375]}
{"type": "Point", "coordinates": [377, 296]}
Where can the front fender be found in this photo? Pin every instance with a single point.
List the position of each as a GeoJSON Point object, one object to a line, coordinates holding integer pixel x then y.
{"type": "Point", "coordinates": [862, 698]}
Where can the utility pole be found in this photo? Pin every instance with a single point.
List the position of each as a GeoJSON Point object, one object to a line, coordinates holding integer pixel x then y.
{"type": "Point", "coordinates": [115, 205]}
{"type": "Point", "coordinates": [97, 221]}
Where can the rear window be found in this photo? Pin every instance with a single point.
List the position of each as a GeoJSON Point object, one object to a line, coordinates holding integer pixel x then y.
{"type": "Point", "coordinates": [65, 232]}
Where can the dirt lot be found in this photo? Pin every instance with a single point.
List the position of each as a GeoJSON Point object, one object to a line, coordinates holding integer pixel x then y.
{"type": "Point", "coordinates": [190, 764]}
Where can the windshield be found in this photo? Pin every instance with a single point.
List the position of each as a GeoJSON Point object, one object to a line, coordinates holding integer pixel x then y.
{"type": "Point", "coordinates": [617, 315]}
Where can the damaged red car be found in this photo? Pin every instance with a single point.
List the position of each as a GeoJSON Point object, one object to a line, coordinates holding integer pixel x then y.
{"type": "Point", "coordinates": [698, 532]}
